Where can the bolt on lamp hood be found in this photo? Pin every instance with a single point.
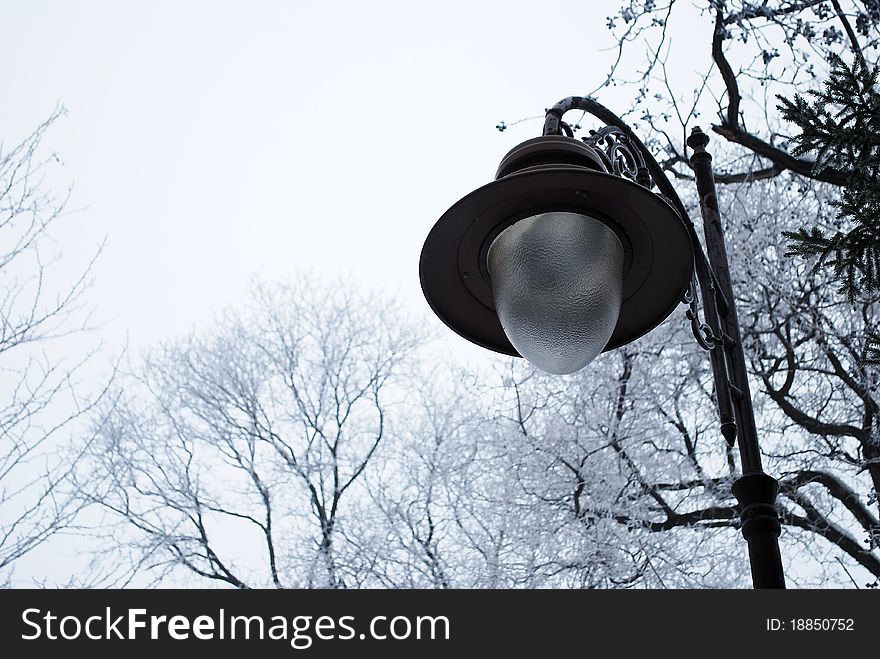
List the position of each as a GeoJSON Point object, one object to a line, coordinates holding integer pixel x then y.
{"type": "Point", "coordinates": [557, 259]}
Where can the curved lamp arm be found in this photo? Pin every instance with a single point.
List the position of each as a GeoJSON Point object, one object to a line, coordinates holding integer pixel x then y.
{"type": "Point", "coordinates": [755, 490]}
{"type": "Point", "coordinates": [553, 125]}
{"type": "Point", "coordinates": [709, 334]}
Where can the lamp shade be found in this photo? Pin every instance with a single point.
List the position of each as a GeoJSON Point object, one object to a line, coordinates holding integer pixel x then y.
{"type": "Point", "coordinates": [552, 197]}
{"type": "Point", "coordinates": [557, 284]}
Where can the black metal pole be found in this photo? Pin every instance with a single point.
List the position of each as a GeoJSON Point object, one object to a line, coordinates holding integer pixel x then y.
{"type": "Point", "coordinates": [754, 490]}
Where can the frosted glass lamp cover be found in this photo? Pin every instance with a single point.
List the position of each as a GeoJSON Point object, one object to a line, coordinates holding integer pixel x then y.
{"type": "Point", "coordinates": [557, 283]}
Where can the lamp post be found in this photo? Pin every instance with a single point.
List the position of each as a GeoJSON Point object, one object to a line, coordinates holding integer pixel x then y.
{"type": "Point", "coordinates": [568, 253]}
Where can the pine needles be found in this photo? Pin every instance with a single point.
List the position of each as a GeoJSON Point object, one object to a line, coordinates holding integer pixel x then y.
{"type": "Point", "coordinates": [841, 124]}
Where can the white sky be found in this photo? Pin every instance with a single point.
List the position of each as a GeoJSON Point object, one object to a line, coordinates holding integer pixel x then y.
{"type": "Point", "coordinates": [211, 141]}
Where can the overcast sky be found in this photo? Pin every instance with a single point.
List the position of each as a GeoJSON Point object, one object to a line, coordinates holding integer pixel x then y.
{"type": "Point", "coordinates": [212, 141]}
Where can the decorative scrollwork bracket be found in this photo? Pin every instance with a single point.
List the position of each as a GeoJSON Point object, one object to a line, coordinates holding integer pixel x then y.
{"type": "Point", "coordinates": [619, 155]}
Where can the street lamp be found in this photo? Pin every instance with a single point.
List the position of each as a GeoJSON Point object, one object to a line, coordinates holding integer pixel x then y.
{"type": "Point", "coordinates": [568, 253]}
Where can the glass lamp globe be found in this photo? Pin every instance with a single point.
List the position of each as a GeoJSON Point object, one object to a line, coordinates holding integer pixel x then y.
{"type": "Point", "coordinates": [557, 284]}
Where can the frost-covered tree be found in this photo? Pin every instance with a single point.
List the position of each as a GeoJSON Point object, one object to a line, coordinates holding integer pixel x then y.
{"type": "Point", "coordinates": [751, 51]}
{"type": "Point", "coordinates": [42, 398]}
{"type": "Point", "coordinates": [819, 394]}
{"type": "Point", "coordinates": [756, 53]}
{"type": "Point", "coordinates": [237, 455]}
{"type": "Point", "coordinates": [518, 479]}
